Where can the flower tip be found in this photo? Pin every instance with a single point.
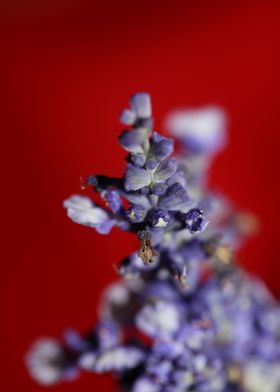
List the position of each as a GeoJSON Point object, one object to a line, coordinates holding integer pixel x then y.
{"type": "Point", "coordinates": [141, 104]}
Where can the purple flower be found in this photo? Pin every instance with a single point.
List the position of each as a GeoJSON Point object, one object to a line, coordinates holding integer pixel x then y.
{"type": "Point", "coordinates": [119, 359]}
{"type": "Point", "coordinates": [140, 112]}
{"type": "Point", "coordinates": [136, 178]}
{"type": "Point", "coordinates": [113, 199]}
{"type": "Point", "coordinates": [81, 210]}
{"type": "Point", "coordinates": [175, 198]}
{"type": "Point", "coordinates": [160, 218]}
{"type": "Point", "coordinates": [136, 213]}
{"type": "Point", "coordinates": [74, 341]}
{"type": "Point", "coordinates": [141, 105]}
{"type": "Point", "coordinates": [184, 317]}
{"type": "Point", "coordinates": [159, 188]}
{"type": "Point", "coordinates": [108, 334]}
{"type": "Point", "coordinates": [161, 148]}
{"type": "Point", "coordinates": [195, 221]}
{"type": "Point", "coordinates": [201, 130]}
{"type": "Point", "coordinates": [165, 170]}
{"type": "Point", "coordinates": [44, 361]}
{"type": "Point", "coordinates": [159, 369]}
{"type": "Point", "coordinates": [87, 361]}
{"type": "Point", "coordinates": [134, 140]}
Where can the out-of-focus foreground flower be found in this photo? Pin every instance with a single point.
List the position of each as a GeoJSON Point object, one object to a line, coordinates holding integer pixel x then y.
{"type": "Point", "coordinates": [208, 326]}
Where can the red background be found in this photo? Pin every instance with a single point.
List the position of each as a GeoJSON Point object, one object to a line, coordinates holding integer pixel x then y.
{"type": "Point", "coordinates": [67, 69]}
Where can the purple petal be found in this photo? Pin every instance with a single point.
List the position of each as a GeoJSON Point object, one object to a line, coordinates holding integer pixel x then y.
{"type": "Point", "coordinates": [119, 359]}
{"type": "Point", "coordinates": [165, 170]}
{"type": "Point", "coordinates": [174, 199]}
{"type": "Point", "coordinates": [128, 117]}
{"type": "Point", "coordinates": [141, 105]}
{"type": "Point", "coordinates": [136, 178]}
{"type": "Point", "coordinates": [133, 140]}
{"type": "Point", "coordinates": [114, 200]}
{"type": "Point", "coordinates": [161, 149]}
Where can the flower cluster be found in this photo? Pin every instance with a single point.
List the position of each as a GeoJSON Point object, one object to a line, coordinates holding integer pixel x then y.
{"type": "Point", "coordinates": [184, 316]}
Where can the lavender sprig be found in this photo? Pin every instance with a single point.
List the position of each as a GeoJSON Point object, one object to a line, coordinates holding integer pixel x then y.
{"type": "Point", "coordinates": [208, 326]}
